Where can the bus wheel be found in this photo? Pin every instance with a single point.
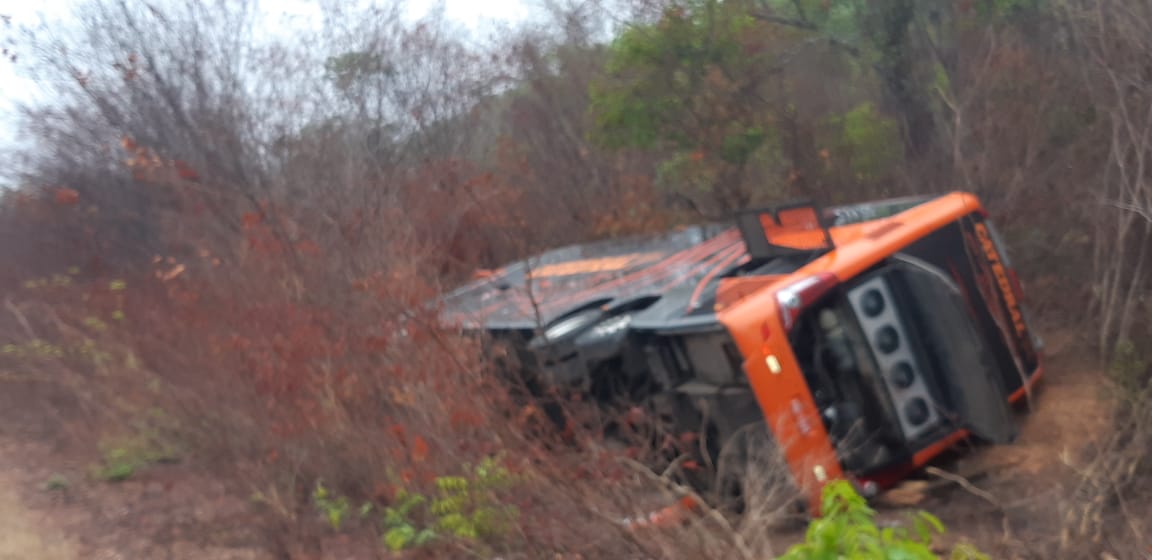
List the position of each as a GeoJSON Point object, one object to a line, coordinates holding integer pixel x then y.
{"type": "Point", "coordinates": [754, 481]}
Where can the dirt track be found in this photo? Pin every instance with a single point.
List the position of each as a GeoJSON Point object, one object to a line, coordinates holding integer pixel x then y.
{"type": "Point", "coordinates": [51, 509]}
{"type": "Point", "coordinates": [24, 533]}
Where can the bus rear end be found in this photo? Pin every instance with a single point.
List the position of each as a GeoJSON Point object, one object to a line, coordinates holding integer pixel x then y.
{"type": "Point", "coordinates": [870, 369]}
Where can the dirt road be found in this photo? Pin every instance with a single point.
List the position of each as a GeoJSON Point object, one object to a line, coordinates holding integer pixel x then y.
{"type": "Point", "coordinates": [52, 509]}
{"type": "Point", "coordinates": [25, 534]}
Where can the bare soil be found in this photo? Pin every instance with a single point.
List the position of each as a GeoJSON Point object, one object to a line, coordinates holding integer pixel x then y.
{"type": "Point", "coordinates": [25, 533]}
{"type": "Point", "coordinates": [52, 508]}
{"type": "Point", "coordinates": [1007, 498]}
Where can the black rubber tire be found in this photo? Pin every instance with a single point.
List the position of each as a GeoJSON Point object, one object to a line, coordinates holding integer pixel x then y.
{"type": "Point", "coordinates": [752, 478]}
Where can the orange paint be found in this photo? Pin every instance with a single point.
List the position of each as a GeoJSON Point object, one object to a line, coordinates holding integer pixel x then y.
{"type": "Point", "coordinates": [1028, 386]}
{"type": "Point", "coordinates": [586, 266]}
{"type": "Point", "coordinates": [732, 290]}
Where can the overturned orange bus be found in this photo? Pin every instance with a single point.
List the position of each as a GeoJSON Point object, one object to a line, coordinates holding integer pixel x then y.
{"type": "Point", "coordinates": [861, 341]}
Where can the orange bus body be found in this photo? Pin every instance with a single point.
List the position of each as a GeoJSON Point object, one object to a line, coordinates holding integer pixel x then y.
{"type": "Point", "coordinates": [772, 369]}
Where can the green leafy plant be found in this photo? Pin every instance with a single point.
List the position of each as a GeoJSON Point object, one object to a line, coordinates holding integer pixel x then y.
{"type": "Point", "coordinates": [334, 507]}
{"type": "Point", "coordinates": [870, 139]}
{"type": "Point", "coordinates": [123, 457]}
{"type": "Point", "coordinates": [684, 85]}
{"type": "Point", "coordinates": [400, 531]}
{"type": "Point", "coordinates": [848, 530]}
{"type": "Point", "coordinates": [468, 508]}
{"type": "Point", "coordinates": [57, 483]}
{"type": "Point", "coordinates": [464, 507]}
{"type": "Point", "coordinates": [119, 465]}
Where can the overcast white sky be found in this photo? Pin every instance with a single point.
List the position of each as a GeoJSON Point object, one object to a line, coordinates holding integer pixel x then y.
{"type": "Point", "coordinates": [14, 88]}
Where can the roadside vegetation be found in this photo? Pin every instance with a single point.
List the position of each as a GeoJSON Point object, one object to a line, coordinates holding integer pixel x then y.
{"type": "Point", "coordinates": [219, 242]}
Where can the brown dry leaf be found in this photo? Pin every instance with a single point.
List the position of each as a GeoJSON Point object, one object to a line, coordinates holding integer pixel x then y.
{"type": "Point", "coordinates": [402, 397]}
{"type": "Point", "coordinates": [419, 449]}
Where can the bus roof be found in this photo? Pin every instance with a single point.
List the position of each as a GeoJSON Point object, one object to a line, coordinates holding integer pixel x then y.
{"type": "Point", "coordinates": [684, 267]}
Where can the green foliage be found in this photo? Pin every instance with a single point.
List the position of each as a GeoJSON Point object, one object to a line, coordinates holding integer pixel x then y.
{"type": "Point", "coordinates": [941, 81]}
{"type": "Point", "coordinates": [468, 508]}
{"type": "Point", "coordinates": [837, 20]}
{"type": "Point", "coordinates": [738, 146]}
{"type": "Point", "coordinates": [406, 536]}
{"type": "Point", "coordinates": [681, 172]}
{"type": "Point", "coordinates": [870, 139]}
{"type": "Point", "coordinates": [400, 530]}
{"type": "Point", "coordinates": [463, 507]}
{"type": "Point", "coordinates": [334, 508]}
{"type": "Point", "coordinates": [848, 531]}
{"type": "Point", "coordinates": [57, 483]}
{"type": "Point", "coordinates": [117, 469]}
{"type": "Point", "coordinates": [661, 76]}
{"type": "Point", "coordinates": [704, 84]}
{"type": "Point", "coordinates": [688, 172]}
{"type": "Point", "coordinates": [695, 85]}
{"type": "Point", "coordinates": [124, 457]}
{"type": "Point", "coordinates": [994, 10]}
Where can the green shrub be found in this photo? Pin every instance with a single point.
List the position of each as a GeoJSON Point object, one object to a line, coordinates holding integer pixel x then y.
{"type": "Point", "coordinates": [462, 507]}
{"type": "Point", "coordinates": [124, 456]}
{"type": "Point", "coordinates": [333, 507]}
{"type": "Point", "coordinates": [848, 531]}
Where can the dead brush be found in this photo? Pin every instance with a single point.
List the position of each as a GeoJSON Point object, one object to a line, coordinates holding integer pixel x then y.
{"type": "Point", "coordinates": [1106, 512]}
{"type": "Point", "coordinates": [750, 505]}
{"type": "Point", "coordinates": [63, 358]}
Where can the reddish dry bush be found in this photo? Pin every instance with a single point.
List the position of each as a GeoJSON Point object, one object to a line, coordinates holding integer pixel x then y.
{"type": "Point", "coordinates": [278, 365]}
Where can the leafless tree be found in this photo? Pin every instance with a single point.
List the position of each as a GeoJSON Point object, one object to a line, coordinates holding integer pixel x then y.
{"type": "Point", "coordinates": [1117, 40]}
